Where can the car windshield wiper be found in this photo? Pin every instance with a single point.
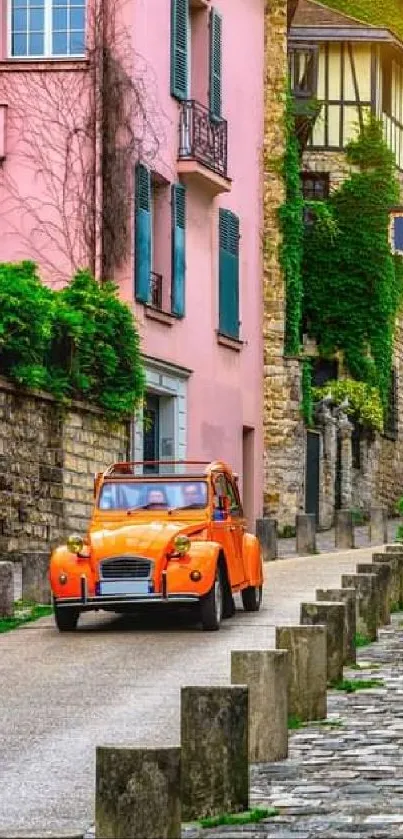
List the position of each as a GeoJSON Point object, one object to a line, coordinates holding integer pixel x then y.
{"type": "Point", "coordinates": [143, 507]}
{"type": "Point", "coordinates": [186, 507]}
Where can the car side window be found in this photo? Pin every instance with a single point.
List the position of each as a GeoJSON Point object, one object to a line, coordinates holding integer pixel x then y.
{"type": "Point", "coordinates": [235, 501]}
{"type": "Point", "coordinates": [221, 499]}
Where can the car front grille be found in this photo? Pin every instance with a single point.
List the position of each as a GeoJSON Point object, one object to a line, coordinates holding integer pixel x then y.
{"type": "Point", "coordinates": [126, 568]}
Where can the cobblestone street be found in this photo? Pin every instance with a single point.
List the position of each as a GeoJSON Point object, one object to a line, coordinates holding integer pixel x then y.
{"type": "Point", "coordinates": [343, 780]}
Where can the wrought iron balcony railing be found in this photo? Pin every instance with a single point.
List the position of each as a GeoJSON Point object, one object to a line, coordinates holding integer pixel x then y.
{"type": "Point", "coordinates": [203, 137]}
{"type": "Point", "coordinates": [156, 291]}
{"type": "Point", "coordinates": [303, 69]}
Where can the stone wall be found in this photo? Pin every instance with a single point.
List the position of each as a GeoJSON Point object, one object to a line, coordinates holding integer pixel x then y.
{"type": "Point", "coordinates": [48, 458]}
{"type": "Point", "coordinates": [284, 437]}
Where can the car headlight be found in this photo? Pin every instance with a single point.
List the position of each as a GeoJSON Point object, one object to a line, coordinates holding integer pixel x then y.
{"type": "Point", "coordinates": [182, 545]}
{"type": "Point", "coordinates": [75, 543]}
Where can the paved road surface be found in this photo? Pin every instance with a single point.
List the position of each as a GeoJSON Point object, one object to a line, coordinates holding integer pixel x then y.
{"type": "Point", "coordinates": [117, 682]}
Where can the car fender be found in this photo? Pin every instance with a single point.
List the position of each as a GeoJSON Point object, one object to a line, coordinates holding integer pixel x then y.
{"type": "Point", "coordinates": [63, 560]}
{"type": "Point", "coordinates": [202, 557]}
{"type": "Point", "coordinates": [253, 561]}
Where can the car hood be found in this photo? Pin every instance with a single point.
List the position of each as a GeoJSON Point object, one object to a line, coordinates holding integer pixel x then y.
{"type": "Point", "coordinates": [149, 539]}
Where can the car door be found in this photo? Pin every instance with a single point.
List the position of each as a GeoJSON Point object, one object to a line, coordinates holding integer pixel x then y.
{"type": "Point", "coordinates": [237, 522]}
{"type": "Point", "coordinates": [224, 530]}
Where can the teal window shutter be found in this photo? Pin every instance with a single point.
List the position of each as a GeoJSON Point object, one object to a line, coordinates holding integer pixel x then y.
{"type": "Point", "coordinates": [215, 63]}
{"type": "Point", "coordinates": [178, 249]}
{"type": "Point", "coordinates": [179, 48]}
{"type": "Point", "coordinates": [142, 234]}
{"type": "Point", "coordinates": [228, 274]}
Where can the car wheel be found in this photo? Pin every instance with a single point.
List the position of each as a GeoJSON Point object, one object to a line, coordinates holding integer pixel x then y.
{"type": "Point", "coordinates": [211, 605]}
{"type": "Point", "coordinates": [252, 598]}
{"type": "Point", "coordinates": [66, 618]}
{"type": "Point", "coordinates": [228, 606]}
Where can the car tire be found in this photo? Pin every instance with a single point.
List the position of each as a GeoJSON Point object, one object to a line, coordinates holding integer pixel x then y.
{"type": "Point", "coordinates": [228, 606]}
{"type": "Point", "coordinates": [252, 598]}
{"type": "Point", "coordinates": [66, 618]}
{"type": "Point", "coordinates": [211, 605]}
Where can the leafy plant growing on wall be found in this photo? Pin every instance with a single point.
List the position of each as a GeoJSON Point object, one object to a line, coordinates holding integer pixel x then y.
{"type": "Point", "coordinates": [291, 226]}
{"type": "Point", "coordinates": [352, 282]}
{"type": "Point", "coordinates": [78, 343]}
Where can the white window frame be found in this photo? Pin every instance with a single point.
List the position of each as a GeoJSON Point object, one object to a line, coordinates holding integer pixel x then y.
{"type": "Point", "coordinates": [48, 33]}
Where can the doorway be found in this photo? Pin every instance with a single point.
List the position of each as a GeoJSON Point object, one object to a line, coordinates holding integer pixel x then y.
{"type": "Point", "coordinates": [248, 475]}
{"type": "Point", "coordinates": [151, 433]}
{"type": "Point", "coordinates": [312, 474]}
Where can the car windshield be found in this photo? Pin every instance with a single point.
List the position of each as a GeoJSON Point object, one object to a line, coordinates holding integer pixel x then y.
{"type": "Point", "coordinates": [153, 495]}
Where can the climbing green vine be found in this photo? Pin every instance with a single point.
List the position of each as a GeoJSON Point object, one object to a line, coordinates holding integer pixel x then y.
{"type": "Point", "coordinates": [364, 403]}
{"type": "Point", "coordinates": [307, 394]}
{"type": "Point", "coordinates": [291, 226]}
{"type": "Point", "coordinates": [352, 283]}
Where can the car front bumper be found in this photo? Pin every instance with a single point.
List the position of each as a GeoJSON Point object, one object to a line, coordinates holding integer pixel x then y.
{"type": "Point", "coordinates": [118, 601]}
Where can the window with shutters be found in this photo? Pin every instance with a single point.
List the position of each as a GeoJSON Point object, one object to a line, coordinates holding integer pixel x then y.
{"type": "Point", "coordinates": [178, 205]}
{"type": "Point", "coordinates": [228, 274]}
{"type": "Point", "coordinates": [180, 29]}
{"type": "Point", "coordinates": [143, 237]}
{"type": "Point", "coordinates": [215, 89]}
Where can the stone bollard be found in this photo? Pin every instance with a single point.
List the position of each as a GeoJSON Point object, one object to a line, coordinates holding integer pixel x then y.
{"type": "Point", "coordinates": [137, 793]}
{"type": "Point", "coordinates": [331, 615]}
{"type": "Point", "coordinates": [378, 526]}
{"type": "Point", "coordinates": [367, 602]}
{"type": "Point", "coordinates": [35, 582]}
{"type": "Point", "coordinates": [344, 529]}
{"type": "Point", "coordinates": [266, 675]}
{"type": "Point", "coordinates": [397, 553]}
{"type": "Point", "coordinates": [215, 759]}
{"type": "Point", "coordinates": [384, 575]}
{"type": "Point", "coordinates": [348, 597]}
{"type": "Point", "coordinates": [394, 562]}
{"type": "Point", "coordinates": [266, 532]}
{"type": "Point", "coordinates": [306, 533]}
{"type": "Point", "coordinates": [307, 671]}
{"type": "Point", "coordinates": [6, 589]}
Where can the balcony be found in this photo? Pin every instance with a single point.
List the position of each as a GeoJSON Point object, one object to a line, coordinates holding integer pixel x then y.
{"type": "Point", "coordinates": [303, 70]}
{"type": "Point", "coordinates": [202, 156]}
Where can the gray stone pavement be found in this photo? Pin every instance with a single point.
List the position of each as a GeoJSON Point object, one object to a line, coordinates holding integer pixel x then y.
{"type": "Point", "coordinates": [345, 781]}
{"type": "Point", "coordinates": [325, 541]}
{"type": "Point", "coordinates": [118, 681]}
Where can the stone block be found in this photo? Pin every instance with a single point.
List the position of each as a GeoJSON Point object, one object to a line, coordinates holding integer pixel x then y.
{"type": "Point", "coordinates": [265, 673]}
{"type": "Point", "coordinates": [397, 552]}
{"type": "Point", "coordinates": [384, 575]}
{"type": "Point", "coordinates": [344, 529]}
{"type": "Point", "coordinates": [307, 670]}
{"type": "Point", "coordinates": [348, 597]}
{"type": "Point", "coordinates": [214, 742]}
{"type": "Point", "coordinates": [306, 534]}
{"type": "Point", "coordinates": [266, 532]}
{"type": "Point", "coordinates": [331, 615]}
{"type": "Point", "coordinates": [378, 526]}
{"type": "Point", "coordinates": [394, 562]}
{"type": "Point", "coordinates": [137, 793]}
{"type": "Point", "coordinates": [35, 581]}
{"type": "Point", "coordinates": [366, 602]}
{"type": "Point", "coordinates": [6, 589]}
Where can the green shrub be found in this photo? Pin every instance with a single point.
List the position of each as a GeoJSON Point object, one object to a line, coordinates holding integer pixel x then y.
{"type": "Point", "coordinates": [80, 342]}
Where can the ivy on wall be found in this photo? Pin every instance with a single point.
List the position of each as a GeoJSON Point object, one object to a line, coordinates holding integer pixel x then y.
{"type": "Point", "coordinates": [77, 343]}
{"type": "Point", "coordinates": [307, 394]}
{"type": "Point", "coordinates": [291, 226]}
{"type": "Point", "coordinates": [352, 282]}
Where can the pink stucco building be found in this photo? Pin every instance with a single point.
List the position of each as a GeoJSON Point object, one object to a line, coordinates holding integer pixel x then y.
{"type": "Point", "coordinates": [192, 265]}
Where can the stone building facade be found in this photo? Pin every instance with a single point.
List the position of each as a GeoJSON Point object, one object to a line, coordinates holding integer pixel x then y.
{"type": "Point", "coordinates": [364, 470]}
{"type": "Point", "coordinates": [284, 434]}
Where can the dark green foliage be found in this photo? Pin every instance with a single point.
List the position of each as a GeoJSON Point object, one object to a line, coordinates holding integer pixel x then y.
{"type": "Point", "coordinates": [78, 343]}
{"type": "Point", "coordinates": [248, 817]}
{"type": "Point", "coordinates": [354, 685]}
{"type": "Point", "coordinates": [291, 226]}
{"type": "Point", "coordinates": [352, 283]}
{"type": "Point", "coordinates": [24, 613]}
{"type": "Point", "coordinates": [26, 311]}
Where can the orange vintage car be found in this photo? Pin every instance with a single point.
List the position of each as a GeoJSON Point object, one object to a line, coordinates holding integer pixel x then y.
{"type": "Point", "coordinates": [161, 533]}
